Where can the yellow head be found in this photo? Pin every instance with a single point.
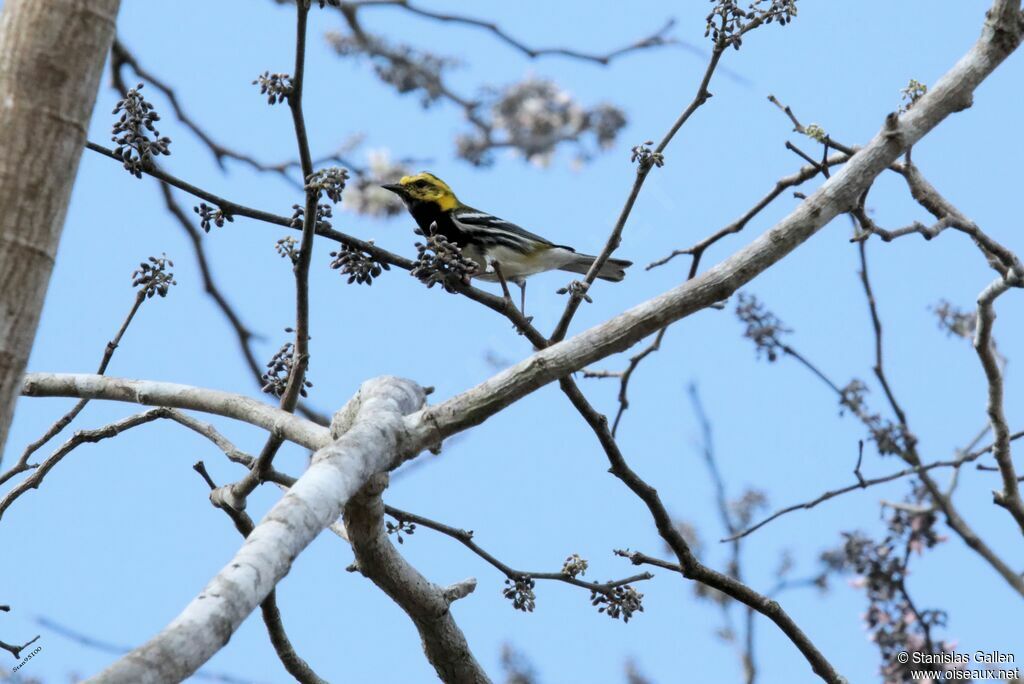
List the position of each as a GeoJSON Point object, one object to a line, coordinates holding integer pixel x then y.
{"type": "Point", "coordinates": [424, 188]}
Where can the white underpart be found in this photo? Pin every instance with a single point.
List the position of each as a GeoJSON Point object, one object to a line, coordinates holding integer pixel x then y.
{"type": "Point", "coordinates": [516, 265]}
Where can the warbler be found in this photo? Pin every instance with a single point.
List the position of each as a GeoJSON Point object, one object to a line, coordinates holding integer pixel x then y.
{"type": "Point", "coordinates": [486, 239]}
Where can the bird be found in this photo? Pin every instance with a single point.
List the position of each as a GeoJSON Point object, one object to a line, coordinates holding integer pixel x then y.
{"type": "Point", "coordinates": [501, 249]}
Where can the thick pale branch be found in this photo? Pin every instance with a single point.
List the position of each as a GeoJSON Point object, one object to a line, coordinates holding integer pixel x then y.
{"type": "Point", "coordinates": [296, 666]}
{"type": "Point", "coordinates": [173, 395]}
{"type": "Point", "coordinates": [952, 93]}
{"type": "Point", "coordinates": [343, 467]}
{"type": "Point", "coordinates": [368, 432]}
{"type": "Point", "coordinates": [427, 604]}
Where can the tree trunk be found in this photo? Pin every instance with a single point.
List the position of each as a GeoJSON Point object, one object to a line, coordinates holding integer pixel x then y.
{"type": "Point", "coordinates": [51, 59]}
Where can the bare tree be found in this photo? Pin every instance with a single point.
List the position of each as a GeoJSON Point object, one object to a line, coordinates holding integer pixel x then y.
{"type": "Point", "coordinates": [51, 58]}
{"type": "Point", "coordinates": [389, 422]}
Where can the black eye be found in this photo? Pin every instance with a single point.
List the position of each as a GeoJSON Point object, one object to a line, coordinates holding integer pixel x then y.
{"type": "Point", "coordinates": [421, 184]}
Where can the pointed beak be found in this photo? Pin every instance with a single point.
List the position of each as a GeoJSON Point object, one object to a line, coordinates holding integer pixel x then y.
{"type": "Point", "coordinates": [394, 187]}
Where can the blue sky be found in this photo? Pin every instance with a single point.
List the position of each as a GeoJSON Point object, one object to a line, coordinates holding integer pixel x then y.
{"type": "Point", "coordinates": [121, 535]}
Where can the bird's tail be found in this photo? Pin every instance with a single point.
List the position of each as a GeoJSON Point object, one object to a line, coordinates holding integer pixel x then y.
{"type": "Point", "coordinates": [613, 269]}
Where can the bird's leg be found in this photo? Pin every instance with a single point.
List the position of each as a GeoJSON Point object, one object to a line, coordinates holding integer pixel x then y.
{"type": "Point", "coordinates": [521, 282]}
{"type": "Point", "coordinates": [501, 279]}
{"type": "Point", "coordinates": [508, 295]}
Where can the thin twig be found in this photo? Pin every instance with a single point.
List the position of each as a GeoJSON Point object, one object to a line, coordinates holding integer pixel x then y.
{"type": "Point", "coordinates": [639, 558]}
{"type": "Point", "coordinates": [802, 130]}
{"type": "Point", "coordinates": [690, 566]}
{"type": "Point", "coordinates": [16, 650]}
{"type": "Point", "coordinates": [108, 353]}
{"type": "Point", "coordinates": [1011, 275]}
{"type": "Point", "coordinates": [876, 324]}
{"type": "Point", "coordinates": [912, 458]}
{"type": "Point", "coordinates": [465, 537]}
{"type": "Point", "coordinates": [13, 649]}
{"type": "Point", "coordinates": [235, 209]}
{"type": "Point", "coordinates": [1009, 498]}
{"type": "Point", "coordinates": [243, 334]}
{"type": "Point", "coordinates": [728, 518]}
{"type": "Point", "coordinates": [655, 39]}
{"type": "Point", "coordinates": [81, 437]}
{"type": "Point", "coordinates": [863, 483]}
{"type": "Point", "coordinates": [112, 430]}
{"type": "Point", "coordinates": [300, 357]}
{"type": "Point", "coordinates": [626, 375]}
{"type": "Point", "coordinates": [823, 170]}
{"type": "Point", "coordinates": [643, 169]}
{"type": "Point", "coordinates": [697, 251]}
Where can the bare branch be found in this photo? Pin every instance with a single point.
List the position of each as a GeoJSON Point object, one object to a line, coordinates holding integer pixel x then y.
{"type": "Point", "coordinates": [907, 450]}
{"type": "Point", "coordinates": [236, 209]}
{"type": "Point", "coordinates": [369, 435]}
{"type": "Point", "coordinates": [22, 465]}
{"type": "Point", "coordinates": [697, 251]}
{"type": "Point", "coordinates": [863, 483]}
{"type": "Point", "coordinates": [117, 649]}
{"type": "Point", "coordinates": [879, 368]}
{"type": "Point", "coordinates": [840, 193]}
{"type": "Point", "coordinates": [1009, 498]}
{"type": "Point", "coordinates": [465, 537]}
{"type": "Point", "coordinates": [429, 426]}
{"type": "Point", "coordinates": [311, 217]}
{"type": "Point", "coordinates": [947, 216]}
{"type": "Point", "coordinates": [296, 666]}
{"type": "Point", "coordinates": [869, 228]}
{"type": "Point", "coordinates": [626, 375]}
{"type": "Point", "coordinates": [172, 395]}
{"type": "Point", "coordinates": [113, 430]}
{"type": "Point", "coordinates": [648, 159]}
{"type": "Point", "coordinates": [807, 130]}
{"type": "Point", "coordinates": [82, 436]}
{"type": "Point", "coordinates": [639, 558]}
{"type": "Point", "coordinates": [1011, 275]}
{"type": "Point", "coordinates": [16, 650]}
{"type": "Point", "coordinates": [427, 604]}
{"type": "Point", "coordinates": [690, 567]}
{"type": "Point", "coordinates": [655, 39]}
{"type": "Point", "coordinates": [121, 57]}
{"type": "Point", "coordinates": [646, 163]}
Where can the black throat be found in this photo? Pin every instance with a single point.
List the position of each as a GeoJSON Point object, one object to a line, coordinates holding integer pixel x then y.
{"type": "Point", "coordinates": [429, 214]}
